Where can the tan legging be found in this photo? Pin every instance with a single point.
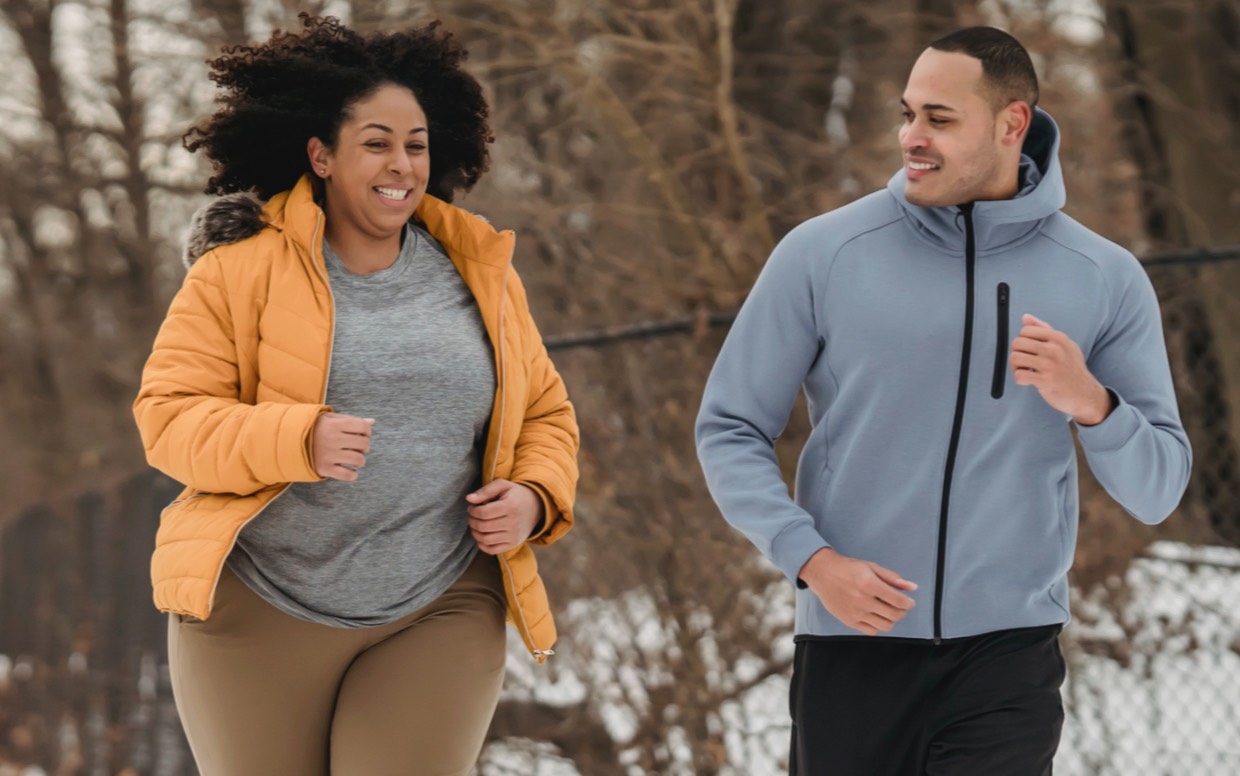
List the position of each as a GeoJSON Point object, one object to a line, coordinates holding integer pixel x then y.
{"type": "Point", "coordinates": [264, 694]}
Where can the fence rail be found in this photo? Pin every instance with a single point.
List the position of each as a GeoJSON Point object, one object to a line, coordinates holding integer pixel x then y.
{"type": "Point", "coordinates": [700, 321]}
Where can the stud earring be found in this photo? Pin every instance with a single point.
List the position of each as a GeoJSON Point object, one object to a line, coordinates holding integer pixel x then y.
{"type": "Point", "coordinates": [323, 171]}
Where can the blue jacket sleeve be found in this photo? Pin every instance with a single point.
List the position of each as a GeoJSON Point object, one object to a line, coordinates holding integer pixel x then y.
{"type": "Point", "coordinates": [748, 399]}
{"type": "Point", "coordinates": [1140, 453]}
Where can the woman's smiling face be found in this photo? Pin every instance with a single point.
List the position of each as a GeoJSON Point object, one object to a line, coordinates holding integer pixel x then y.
{"type": "Point", "coordinates": [377, 173]}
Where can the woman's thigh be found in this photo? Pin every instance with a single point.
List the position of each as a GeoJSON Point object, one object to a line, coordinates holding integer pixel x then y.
{"type": "Point", "coordinates": [420, 701]}
{"type": "Point", "coordinates": [255, 687]}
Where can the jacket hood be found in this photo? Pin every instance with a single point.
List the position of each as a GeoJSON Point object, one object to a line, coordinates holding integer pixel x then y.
{"type": "Point", "coordinates": [235, 217]}
{"type": "Point", "coordinates": [229, 219]}
{"type": "Point", "coordinates": [998, 224]}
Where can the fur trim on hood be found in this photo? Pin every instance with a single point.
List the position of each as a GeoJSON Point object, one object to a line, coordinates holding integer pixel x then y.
{"type": "Point", "coordinates": [234, 217]}
{"type": "Point", "coordinates": [229, 219]}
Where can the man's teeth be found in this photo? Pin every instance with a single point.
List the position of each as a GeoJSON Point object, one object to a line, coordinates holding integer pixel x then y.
{"type": "Point", "coordinates": [392, 193]}
{"type": "Point", "coordinates": [922, 166]}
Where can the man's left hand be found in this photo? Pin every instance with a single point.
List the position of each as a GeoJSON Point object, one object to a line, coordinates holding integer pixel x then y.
{"type": "Point", "coordinates": [502, 515]}
{"type": "Point", "coordinates": [1051, 362]}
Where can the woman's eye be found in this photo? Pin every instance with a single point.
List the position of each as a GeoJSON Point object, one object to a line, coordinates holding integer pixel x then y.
{"type": "Point", "coordinates": [376, 144]}
{"type": "Point", "coordinates": [416, 147]}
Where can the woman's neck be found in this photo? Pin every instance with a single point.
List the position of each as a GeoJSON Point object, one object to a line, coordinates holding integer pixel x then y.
{"type": "Point", "coordinates": [361, 253]}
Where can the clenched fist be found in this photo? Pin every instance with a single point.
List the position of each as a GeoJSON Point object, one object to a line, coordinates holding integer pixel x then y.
{"type": "Point", "coordinates": [1050, 361]}
{"type": "Point", "coordinates": [339, 445]}
{"type": "Point", "coordinates": [502, 515]}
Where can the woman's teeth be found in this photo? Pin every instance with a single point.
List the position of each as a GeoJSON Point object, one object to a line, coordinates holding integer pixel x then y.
{"type": "Point", "coordinates": [397, 194]}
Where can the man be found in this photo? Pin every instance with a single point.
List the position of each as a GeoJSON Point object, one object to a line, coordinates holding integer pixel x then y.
{"type": "Point", "coordinates": [948, 332]}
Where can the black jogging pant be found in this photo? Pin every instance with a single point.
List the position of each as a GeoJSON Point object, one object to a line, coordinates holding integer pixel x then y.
{"type": "Point", "coordinates": [984, 705]}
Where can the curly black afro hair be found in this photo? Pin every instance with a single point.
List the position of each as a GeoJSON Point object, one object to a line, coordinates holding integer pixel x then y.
{"type": "Point", "coordinates": [296, 86]}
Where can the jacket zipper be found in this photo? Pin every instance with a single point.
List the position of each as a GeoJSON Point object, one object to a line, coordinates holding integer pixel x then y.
{"type": "Point", "coordinates": [1001, 344]}
{"type": "Point", "coordinates": [539, 654]}
{"type": "Point", "coordinates": [957, 422]}
{"type": "Point", "coordinates": [190, 497]}
{"type": "Point", "coordinates": [331, 346]}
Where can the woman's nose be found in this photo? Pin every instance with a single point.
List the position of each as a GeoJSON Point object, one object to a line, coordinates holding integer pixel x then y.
{"type": "Point", "coordinates": [399, 162]}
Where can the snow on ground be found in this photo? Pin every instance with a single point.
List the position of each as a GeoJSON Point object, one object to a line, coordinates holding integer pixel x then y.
{"type": "Point", "coordinates": [524, 758]}
{"type": "Point", "coordinates": [1173, 708]}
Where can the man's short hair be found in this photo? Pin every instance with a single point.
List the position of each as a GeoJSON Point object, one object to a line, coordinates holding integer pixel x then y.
{"type": "Point", "coordinates": [1007, 70]}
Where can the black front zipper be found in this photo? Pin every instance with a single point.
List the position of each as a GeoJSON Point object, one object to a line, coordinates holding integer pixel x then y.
{"type": "Point", "coordinates": [1001, 343]}
{"type": "Point", "coordinates": [961, 392]}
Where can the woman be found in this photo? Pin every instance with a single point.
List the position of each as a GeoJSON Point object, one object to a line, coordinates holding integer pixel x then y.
{"type": "Point", "coordinates": [370, 432]}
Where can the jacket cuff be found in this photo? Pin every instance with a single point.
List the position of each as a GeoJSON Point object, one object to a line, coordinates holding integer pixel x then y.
{"type": "Point", "coordinates": [297, 465]}
{"type": "Point", "coordinates": [794, 546]}
{"type": "Point", "coordinates": [1114, 432]}
{"type": "Point", "coordinates": [549, 509]}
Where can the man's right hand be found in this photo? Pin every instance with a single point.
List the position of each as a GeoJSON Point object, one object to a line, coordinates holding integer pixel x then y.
{"type": "Point", "coordinates": [339, 444]}
{"type": "Point", "coordinates": [860, 594]}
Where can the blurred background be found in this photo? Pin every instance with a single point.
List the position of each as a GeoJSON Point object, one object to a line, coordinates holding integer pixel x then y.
{"type": "Point", "coordinates": [649, 156]}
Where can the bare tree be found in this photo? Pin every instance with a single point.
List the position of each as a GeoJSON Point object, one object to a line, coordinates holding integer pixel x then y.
{"type": "Point", "coordinates": [649, 156]}
{"type": "Point", "coordinates": [86, 179]}
{"type": "Point", "coordinates": [1177, 91]}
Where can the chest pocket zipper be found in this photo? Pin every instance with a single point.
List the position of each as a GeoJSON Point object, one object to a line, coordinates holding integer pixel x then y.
{"type": "Point", "coordinates": [1001, 342]}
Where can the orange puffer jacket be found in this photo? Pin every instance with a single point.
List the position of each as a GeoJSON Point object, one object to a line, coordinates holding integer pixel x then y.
{"type": "Point", "coordinates": [238, 376]}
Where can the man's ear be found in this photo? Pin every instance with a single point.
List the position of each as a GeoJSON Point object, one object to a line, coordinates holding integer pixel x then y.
{"type": "Point", "coordinates": [1014, 121]}
{"type": "Point", "coordinates": [320, 157]}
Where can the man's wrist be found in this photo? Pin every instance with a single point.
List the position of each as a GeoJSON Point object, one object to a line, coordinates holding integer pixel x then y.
{"type": "Point", "coordinates": [823, 554]}
{"type": "Point", "coordinates": [1101, 409]}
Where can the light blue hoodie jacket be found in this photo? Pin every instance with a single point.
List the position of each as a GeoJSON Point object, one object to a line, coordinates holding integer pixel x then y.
{"type": "Point", "coordinates": [925, 456]}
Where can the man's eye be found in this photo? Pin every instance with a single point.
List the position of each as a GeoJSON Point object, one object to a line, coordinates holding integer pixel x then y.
{"type": "Point", "coordinates": [939, 122]}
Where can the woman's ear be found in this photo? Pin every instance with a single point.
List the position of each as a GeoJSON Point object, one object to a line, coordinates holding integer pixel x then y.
{"type": "Point", "coordinates": [320, 157]}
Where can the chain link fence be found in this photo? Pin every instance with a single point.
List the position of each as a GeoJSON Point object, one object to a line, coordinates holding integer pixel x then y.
{"type": "Point", "coordinates": [1154, 682]}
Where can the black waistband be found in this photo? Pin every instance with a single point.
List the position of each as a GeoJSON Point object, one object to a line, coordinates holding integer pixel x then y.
{"type": "Point", "coordinates": [810, 637]}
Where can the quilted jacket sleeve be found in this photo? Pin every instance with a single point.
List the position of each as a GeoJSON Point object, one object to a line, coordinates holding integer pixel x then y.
{"type": "Point", "coordinates": [546, 453]}
{"type": "Point", "coordinates": [193, 425]}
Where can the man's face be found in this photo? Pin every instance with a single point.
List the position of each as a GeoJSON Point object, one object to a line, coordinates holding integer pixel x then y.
{"type": "Point", "coordinates": [950, 139]}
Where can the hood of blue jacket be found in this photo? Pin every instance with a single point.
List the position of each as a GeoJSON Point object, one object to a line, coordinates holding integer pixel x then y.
{"type": "Point", "coordinates": [999, 224]}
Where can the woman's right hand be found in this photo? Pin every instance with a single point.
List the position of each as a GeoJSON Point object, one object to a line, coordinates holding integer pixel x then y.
{"type": "Point", "coordinates": [339, 445]}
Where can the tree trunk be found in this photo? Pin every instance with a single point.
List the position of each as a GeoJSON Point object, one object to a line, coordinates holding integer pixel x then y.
{"type": "Point", "coordinates": [1179, 70]}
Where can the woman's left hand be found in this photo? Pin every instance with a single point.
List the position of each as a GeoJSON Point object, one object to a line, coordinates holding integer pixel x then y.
{"type": "Point", "coordinates": [502, 515]}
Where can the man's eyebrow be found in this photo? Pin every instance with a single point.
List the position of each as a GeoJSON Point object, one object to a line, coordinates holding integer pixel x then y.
{"type": "Point", "coordinates": [380, 127]}
{"type": "Point", "coordinates": [934, 106]}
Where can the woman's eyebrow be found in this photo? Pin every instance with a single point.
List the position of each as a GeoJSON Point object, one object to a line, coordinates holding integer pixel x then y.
{"type": "Point", "coordinates": [374, 125]}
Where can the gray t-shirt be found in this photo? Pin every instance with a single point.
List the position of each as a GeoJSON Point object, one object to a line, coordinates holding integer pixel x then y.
{"type": "Point", "coordinates": [410, 351]}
